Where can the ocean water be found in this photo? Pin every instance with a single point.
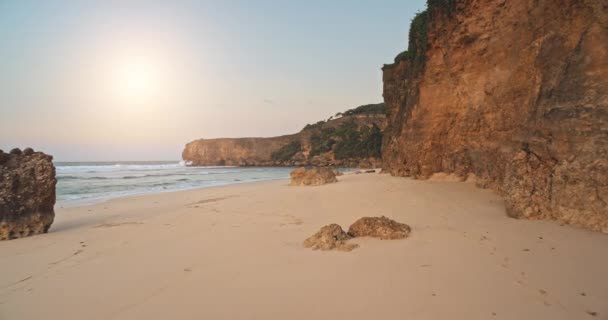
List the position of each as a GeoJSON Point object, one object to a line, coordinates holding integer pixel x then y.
{"type": "Point", "coordinates": [89, 182]}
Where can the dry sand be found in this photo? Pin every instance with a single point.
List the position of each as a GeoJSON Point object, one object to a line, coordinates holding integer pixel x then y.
{"type": "Point", "coordinates": [235, 253]}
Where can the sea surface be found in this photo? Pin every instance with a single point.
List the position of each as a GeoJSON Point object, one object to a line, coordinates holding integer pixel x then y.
{"type": "Point", "coordinates": [90, 182]}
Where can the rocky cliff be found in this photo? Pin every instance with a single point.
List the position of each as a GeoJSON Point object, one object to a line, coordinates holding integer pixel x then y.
{"type": "Point", "coordinates": [234, 151]}
{"type": "Point", "coordinates": [353, 138]}
{"type": "Point", "coordinates": [511, 93]}
{"type": "Point", "coordinates": [27, 193]}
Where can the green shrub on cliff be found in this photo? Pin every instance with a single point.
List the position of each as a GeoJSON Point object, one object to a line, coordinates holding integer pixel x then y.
{"type": "Point", "coordinates": [375, 108]}
{"type": "Point", "coordinates": [402, 56]}
{"type": "Point", "coordinates": [446, 6]}
{"type": "Point", "coordinates": [348, 141]}
{"type": "Point", "coordinates": [309, 126]}
{"type": "Point", "coordinates": [322, 141]}
{"type": "Point", "coordinates": [287, 152]}
{"type": "Point", "coordinates": [416, 50]}
{"type": "Point", "coordinates": [364, 142]}
{"type": "Point", "coordinates": [417, 41]}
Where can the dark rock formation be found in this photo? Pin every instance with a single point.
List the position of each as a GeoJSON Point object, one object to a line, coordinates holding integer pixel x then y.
{"type": "Point", "coordinates": [27, 193]}
{"type": "Point", "coordinates": [352, 140]}
{"type": "Point", "coordinates": [512, 92]}
{"type": "Point", "coordinates": [312, 177]}
{"type": "Point", "coordinates": [330, 237]}
{"type": "Point", "coordinates": [379, 227]}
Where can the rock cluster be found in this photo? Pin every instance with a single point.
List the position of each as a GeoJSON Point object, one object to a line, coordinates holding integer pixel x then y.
{"type": "Point", "coordinates": [526, 115]}
{"type": "Point", "coordinates": [379, 227]}
{"type": "Point", "coordinates": [27, 193]}
{"type": "Point", "coordinates": [312, 177]}
{"type": "Point", "coordinates": [332, 236]}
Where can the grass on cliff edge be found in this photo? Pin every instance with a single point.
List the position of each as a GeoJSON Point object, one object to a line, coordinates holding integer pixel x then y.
{"type": "Point", "coordinates": [418, 34]}
{"type": "Point", "coordinates": [287, 151]}
{"type": "Point", "coordinates": [366, 109]}
{"type": "Point", "coordinates": [347, 141]}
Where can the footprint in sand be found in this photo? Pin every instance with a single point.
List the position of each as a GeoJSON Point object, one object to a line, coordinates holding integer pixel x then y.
{"type": "Point", "coordinates": [210, 200]}
{"type": "Point", "coordinates": [116, 224]}
{"type": "Point", "coordinates": [77, 252]}
{"type": "Point", "coordinates": [296, 222]}
{"type": "Point", "coordinates": [291, 220]}
{"type": "Point", "coordinates": [505, 263]}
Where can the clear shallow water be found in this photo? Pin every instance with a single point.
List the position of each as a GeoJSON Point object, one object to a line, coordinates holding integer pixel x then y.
{"type": "Point", "coordinates": [85, 182]}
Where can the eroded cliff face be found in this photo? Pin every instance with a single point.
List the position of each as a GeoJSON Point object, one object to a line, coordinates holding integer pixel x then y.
{"type": "Point", "coordinates": [314, 145]}
{"type": "Point", "coordinates": [27, 193]}
{"type": "Point", "coordinates": [234, 151]}
{"type": "Point", "coordinates": [513, 93]}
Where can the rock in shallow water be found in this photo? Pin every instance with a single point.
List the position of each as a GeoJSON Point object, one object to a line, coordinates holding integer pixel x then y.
{"type": "Point", "coordinates": [379, 227]}
{"type": "Point", "coordinates": [312, 177]}
{"type": "Point", "coordinates": [330, 237]}
{"type": "Point", "coordinates": [27, 193]}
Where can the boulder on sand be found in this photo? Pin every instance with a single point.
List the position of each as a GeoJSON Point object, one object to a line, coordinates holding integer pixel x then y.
{"type": "Point", "coordinates": [379, 227]}
{"type": "Point", "coordinates": [330, 237]}
{"type": "Point", "coordinates": [312, 177]}
{"type": "Point", "coordinates": [27, 193]}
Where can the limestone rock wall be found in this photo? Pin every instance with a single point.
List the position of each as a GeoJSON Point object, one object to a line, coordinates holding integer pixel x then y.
{"type": "Point", "coordinates": [514, 93]}
{"type": "Point", "coordinates": [234, 151]}
{"type": "Point", "coordinates": [27, 193]}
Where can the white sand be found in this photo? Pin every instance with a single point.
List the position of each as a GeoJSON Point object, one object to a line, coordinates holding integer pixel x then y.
{"type": "Point", "coordinates": [237, 254]}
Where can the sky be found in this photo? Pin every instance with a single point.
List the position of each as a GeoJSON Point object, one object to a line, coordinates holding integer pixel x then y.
{"type": "Point", "coordinates": [88, 80]}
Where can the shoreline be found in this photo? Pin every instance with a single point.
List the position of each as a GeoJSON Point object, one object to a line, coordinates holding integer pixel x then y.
{"type": "Point", "coordinates": [92, 201]}
{"type": "Point", "coordinates": [233, 252]}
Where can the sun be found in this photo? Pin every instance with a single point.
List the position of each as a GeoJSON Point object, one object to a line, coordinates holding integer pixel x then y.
{"type": "Point", "coordinates": [137, 79]}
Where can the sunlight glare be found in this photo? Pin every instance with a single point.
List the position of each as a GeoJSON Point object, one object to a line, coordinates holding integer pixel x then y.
{"type": "Point", "coordinates": [138, 79]}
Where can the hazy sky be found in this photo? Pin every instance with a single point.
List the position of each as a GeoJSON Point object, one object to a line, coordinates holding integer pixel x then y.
{"type": "Point", "coordinates": [136, 80]}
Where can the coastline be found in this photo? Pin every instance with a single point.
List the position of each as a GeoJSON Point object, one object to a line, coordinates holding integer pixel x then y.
{"type": "Point", "coordinates": [91, 201]}
{"type": "Point", "coordinates": [86, 183]}
{"type": "Point", "coordinates": [219, 183]}
{"type": "Point", "coordinates": [232, 252]}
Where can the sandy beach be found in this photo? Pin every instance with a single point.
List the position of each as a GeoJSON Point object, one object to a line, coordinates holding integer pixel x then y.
{"type": "Point", "coordinates": [236, 252]}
